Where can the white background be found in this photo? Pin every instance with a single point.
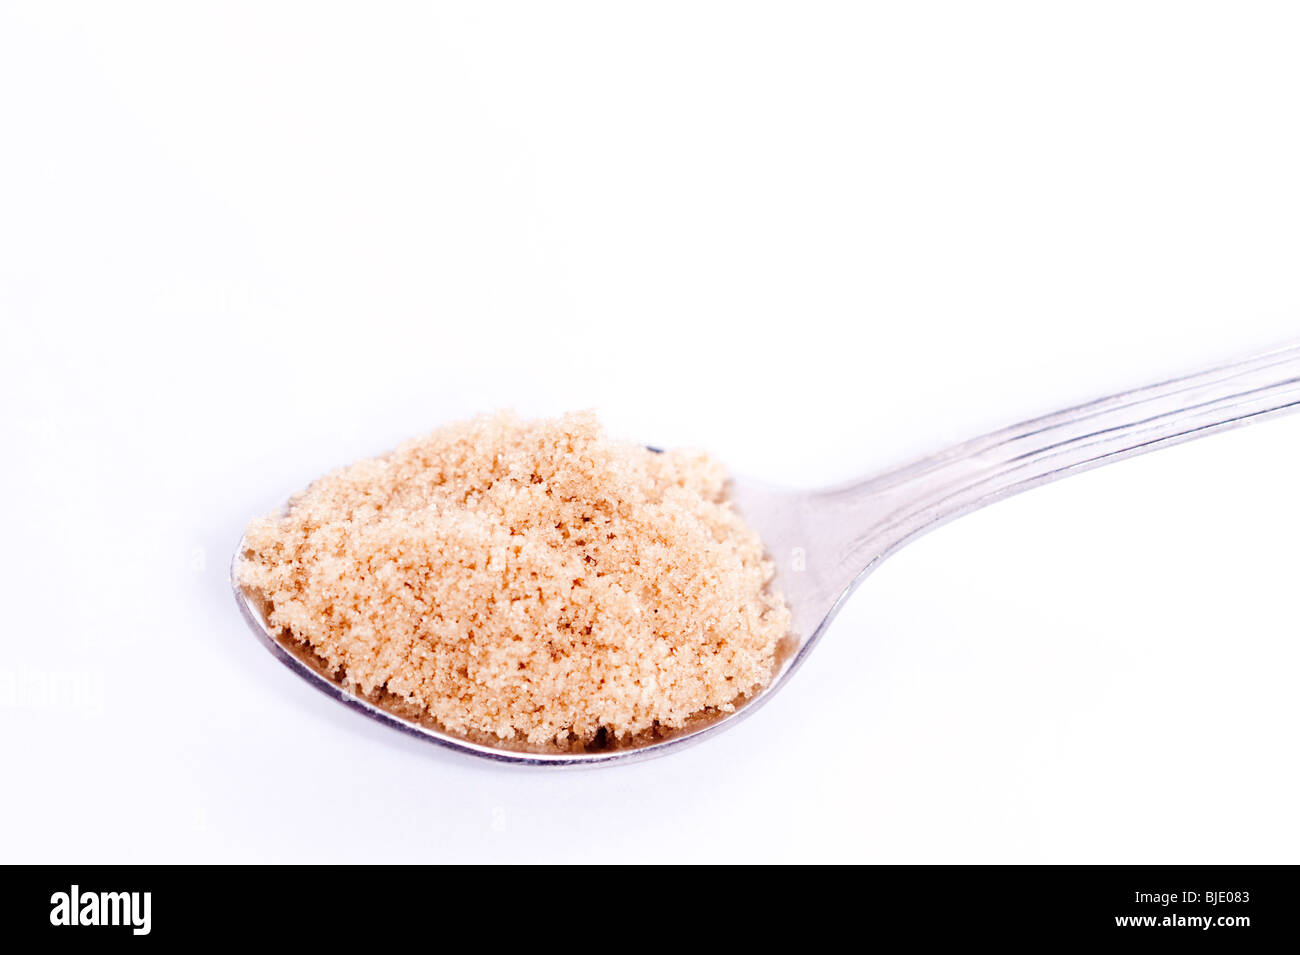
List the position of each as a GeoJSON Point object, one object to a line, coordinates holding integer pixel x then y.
{"type": "Point", "coordinates": [243, 243]}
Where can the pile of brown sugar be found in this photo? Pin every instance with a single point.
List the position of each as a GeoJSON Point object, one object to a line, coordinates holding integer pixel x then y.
{"type": "Point", "coordinates": [532, 580]}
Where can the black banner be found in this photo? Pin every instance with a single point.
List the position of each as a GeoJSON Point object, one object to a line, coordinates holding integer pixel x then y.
{"type": "Point", "coordinates": [1226, 905]}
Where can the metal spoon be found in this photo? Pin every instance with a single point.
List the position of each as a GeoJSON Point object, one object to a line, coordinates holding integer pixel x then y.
{"type": "Point", "coordinates": [825, 542]}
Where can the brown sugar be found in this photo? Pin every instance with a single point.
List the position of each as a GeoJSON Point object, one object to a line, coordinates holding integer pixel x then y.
{"type": "Point", "coordinates": [532, 580]}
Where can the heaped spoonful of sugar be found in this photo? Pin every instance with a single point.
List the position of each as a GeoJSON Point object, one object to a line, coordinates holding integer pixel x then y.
{"type": "Point", "coordinates": [536, 592]}
{"type": "Point", "coordinates": [525, 581]}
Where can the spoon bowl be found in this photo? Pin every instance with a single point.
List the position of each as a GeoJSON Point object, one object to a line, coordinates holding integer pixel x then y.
{"type": "Point", "coordinates": [823, 543]}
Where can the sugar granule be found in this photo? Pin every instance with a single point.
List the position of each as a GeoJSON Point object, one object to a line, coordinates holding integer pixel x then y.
{"type": "Point", "coordinates": [531, 580]}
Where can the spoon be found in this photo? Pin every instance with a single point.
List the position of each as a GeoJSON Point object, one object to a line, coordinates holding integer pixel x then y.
{"type": "Point", "coordinates": [825, 542]}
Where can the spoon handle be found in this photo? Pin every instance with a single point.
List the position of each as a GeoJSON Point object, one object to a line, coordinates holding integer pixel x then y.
{"type": "Point", "coordinates": [899, 505]}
